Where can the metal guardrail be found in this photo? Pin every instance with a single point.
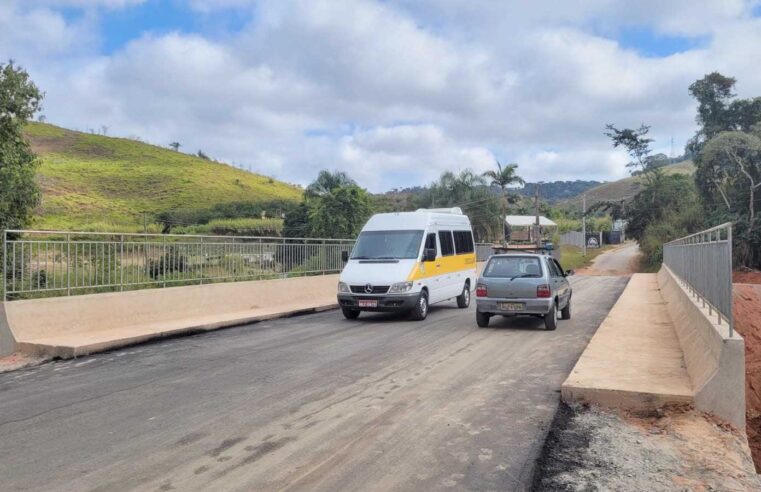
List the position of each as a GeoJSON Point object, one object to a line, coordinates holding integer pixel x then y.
{"type": "Point", "coordinates": [59, 263]}
{"type": "Point", "coordinates": [703, 262]}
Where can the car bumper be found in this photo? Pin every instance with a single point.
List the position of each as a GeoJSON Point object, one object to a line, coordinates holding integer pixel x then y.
{"type": "Point", "coordinates": [386, 303]}
{"type": "Point", "coordinates": [530, 306]}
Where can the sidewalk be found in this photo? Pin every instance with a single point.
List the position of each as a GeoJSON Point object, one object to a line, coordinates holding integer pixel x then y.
{"type": "Point", "coordinates": [634, 361]}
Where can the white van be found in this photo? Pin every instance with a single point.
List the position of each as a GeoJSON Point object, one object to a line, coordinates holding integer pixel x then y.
{"type": "Point", "coordinates": [407, 260]}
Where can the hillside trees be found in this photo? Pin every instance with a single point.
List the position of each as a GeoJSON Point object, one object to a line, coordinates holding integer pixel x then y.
{"type": "Point", "coordinates": [727, 149]}
{"type": "Point", "coordinates": [20, 99]}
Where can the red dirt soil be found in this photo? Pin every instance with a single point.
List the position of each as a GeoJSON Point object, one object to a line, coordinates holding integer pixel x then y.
{"type": "Point", "coordinates": [747, 315]}
{"type": "Point", "coordinates": [746, 277]}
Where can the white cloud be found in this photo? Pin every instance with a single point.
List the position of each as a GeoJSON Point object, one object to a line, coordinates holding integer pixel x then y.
{"type": "Point", "coordinates": [392, 92]}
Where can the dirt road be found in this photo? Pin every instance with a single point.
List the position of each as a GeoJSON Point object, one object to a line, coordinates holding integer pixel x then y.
{"type": "Point", "coordinates": [309, 403]}
{"type": "Point", "coordinates": [621, 260]}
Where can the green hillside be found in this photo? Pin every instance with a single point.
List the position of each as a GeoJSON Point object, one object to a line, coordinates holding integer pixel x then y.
{"type": "Point", "coordinates": [623, 188]}
{"type": "Point", "coordinates": [94, 182]}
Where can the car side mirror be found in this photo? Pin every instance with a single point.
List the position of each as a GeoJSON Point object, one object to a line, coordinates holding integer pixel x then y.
{"type": "Point", "coordinates": [429, 254]}
{"type": "Point", "coordinates": [344, 256]}
{"type": "Point", "coordinates": [569, 273]}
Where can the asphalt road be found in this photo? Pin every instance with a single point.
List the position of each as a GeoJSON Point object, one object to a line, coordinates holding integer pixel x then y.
{"type": "Point", "coordinates": [308, 403]}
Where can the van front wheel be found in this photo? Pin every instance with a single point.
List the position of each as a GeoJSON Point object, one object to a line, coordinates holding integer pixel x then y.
{"type": "Point", "coordinates": [350, 313]}
{"type": "Point", "coordinates": [420, 311]}
{"type": "Point", "coordinates": [463, 300]}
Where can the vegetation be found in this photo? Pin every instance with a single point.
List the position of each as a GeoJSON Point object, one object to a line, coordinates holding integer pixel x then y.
{"type": "Point", "coordinates": [503, 178]}
{"type": "Point", "coordinates": [554, 191]}
{"type": "Point", "coordinates": [19, 100]}
{"type": "Point", "coordinates": [93, 182]}
{"type": "Point", "coordinates": [572, 258]}
{"type": "Point", "coordinates": [727, 151]}
{"type": "Point", "coordinates": [333, 206]}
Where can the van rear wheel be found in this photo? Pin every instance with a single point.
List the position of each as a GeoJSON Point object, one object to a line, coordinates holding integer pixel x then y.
{"type": "Point", "coordinates": [463, 300]}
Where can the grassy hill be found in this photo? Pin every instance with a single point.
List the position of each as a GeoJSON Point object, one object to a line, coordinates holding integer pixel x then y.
{"type": "Point", "coordinates": [623, 188]}
{"type": "Point", "coordinates": [94, 182]}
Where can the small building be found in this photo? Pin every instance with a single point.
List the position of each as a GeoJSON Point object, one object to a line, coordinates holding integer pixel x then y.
{"type": "Point", "coordinates": [520, 228]}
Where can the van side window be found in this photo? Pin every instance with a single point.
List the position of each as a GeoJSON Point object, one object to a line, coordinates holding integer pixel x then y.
{"type": "Point", "coordinates": [447, 245]}
{"type": "Point", "coordinates": [430, 242]}
{"type": "Point", "coordinates": [463, 242]}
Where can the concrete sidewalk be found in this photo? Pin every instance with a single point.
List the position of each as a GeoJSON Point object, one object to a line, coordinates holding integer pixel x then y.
{"type": "Point", "coordinates": [635, 360]}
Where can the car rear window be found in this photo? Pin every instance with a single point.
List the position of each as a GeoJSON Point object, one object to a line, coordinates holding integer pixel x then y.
{"type": "Point", "coordinates": [513, 267]}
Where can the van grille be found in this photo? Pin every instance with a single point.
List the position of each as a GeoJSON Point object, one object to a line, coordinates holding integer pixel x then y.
{"type": "Point", "coordinates": [377, 289]}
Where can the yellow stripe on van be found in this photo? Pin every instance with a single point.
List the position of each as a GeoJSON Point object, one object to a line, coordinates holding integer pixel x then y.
{"type": "Point", "coordinates": [447, 264]}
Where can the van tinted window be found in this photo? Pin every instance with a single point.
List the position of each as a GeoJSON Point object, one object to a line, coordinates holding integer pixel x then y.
{"type": "Point", "coordinates": [430, 243]}
{"type": "Point", "coordinates": [447, 245]}
{"type": "Point", "coordinates": [463, 242]}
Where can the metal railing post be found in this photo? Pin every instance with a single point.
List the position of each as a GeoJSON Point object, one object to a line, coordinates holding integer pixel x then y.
{"type": "Point", "coordinates": [68, 262]}
{"type": "Point", "coordinates": [731, 314]}
{"type": "Point", "coordinates": [5, 265]}
{"type": "Point", "coordinates": [121, 263]}
{"type": "Point", "coordinates": [163, 262]}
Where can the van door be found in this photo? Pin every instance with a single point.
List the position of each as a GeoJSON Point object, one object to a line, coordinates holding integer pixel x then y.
{"type": "Point", "coordinates": [433, 280]}
{"type": "Point", "coordinates": [449, 281]}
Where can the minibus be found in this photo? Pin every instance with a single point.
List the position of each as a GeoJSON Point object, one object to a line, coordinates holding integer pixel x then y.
{"type": "Point", "coordinates": [406, 261]}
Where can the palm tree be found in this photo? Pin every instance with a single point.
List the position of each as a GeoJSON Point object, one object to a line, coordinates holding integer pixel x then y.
{"type": "Point", "coordinates": [504, 177]}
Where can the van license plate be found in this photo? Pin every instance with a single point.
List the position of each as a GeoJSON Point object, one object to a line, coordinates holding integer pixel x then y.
{"type": "Point", "coordinates": [367, 303]}
{"type": "Point", "coordinates": [511, 306]}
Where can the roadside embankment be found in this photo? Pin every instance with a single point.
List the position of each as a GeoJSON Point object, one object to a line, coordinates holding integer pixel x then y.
{"type": "Point", "coordinates": [591, 449]}
{"type": "Point", "coordinates": [747, 315]}
{"type": "Point", "coordinates": [73, 326]}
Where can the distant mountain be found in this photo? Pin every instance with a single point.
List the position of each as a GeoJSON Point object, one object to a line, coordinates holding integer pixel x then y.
{"type": "Point", "coordinates": [555, 191]}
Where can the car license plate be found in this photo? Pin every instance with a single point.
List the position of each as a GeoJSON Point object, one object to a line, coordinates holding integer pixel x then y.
{"type": "Point", "coordinates": [367, 303]}
{"type": "Point", "coordinates": [511, 306]}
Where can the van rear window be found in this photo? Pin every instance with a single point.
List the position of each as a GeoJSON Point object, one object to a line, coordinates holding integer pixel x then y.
{"type": "Point", "coordinates": [513, 267]}
{"type": "Point", "coordinates": [463, 242]}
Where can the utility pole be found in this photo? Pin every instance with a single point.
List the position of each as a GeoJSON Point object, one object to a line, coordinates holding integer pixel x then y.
{"type": "Point", "coordinates": [537, 227]}
{"type": "Point", "coordinates": [584, 224]}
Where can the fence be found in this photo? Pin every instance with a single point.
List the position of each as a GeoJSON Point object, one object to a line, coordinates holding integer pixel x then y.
{"type": "Point", "coordinates": [53, 263]}
{"type": "Point", "coordinates": [483, 251]}
{"type": "Point", "coordinates": [703, 261]}
{"type": "Point", "coordinates": [573, 238]}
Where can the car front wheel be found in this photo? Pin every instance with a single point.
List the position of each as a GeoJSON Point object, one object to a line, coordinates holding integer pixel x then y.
{"type": "Point", "coordinates": [566, 312]}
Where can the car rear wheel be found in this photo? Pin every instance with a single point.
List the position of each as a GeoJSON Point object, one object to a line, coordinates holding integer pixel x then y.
{"type": "Point", "coordinates": [350, 313]}
{"type": "Point", "coordinates": [551, 318]}
{"type": "Point", "coordinates": [566, 312]}
{"type": "Point", "coordinates": [420, 311]}
{"type": "Point", "coordinates": [482, 319]}
{"type": "Point", "coordinates": [463, 300]}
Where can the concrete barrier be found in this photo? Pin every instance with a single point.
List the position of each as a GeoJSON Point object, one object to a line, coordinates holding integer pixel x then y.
{"type": "Point", "coordinates": [714, 361]}
{"type": "Point", "coordinates": [79, 325]}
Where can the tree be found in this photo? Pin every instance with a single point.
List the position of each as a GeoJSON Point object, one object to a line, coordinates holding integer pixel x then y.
{"type": "Point", "coordinates": [202, 155]}
{"type": "Point", "coordinates": [176, 146]}
{"type": "Point", "coordinates": [637, 145]}
{"type": "Point", "coordinates": [340, 213]}
{"type": "Point", "coordinates": [504, 177]}
{"type": "Point", "coordinates": [328, 181]}
{"type": "Point", "coordinates": [20, 99]}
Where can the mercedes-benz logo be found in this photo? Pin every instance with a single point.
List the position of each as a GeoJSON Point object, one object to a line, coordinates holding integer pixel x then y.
{"type": "Point", "coordinates": [369, 288]}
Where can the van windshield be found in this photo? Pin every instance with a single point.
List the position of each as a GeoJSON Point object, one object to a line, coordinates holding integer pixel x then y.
{"type": "Point", "coordinates": [387, 245]}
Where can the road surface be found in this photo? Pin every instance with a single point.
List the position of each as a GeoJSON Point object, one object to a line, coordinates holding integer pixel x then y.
{"type": "Point", "coordinates": [307, 403]}
{"type": "Point", "coordinates": [622, 260]}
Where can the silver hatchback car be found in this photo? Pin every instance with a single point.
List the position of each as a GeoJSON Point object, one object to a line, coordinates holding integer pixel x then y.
{"type": "Point", "coordinates": [523, 284]}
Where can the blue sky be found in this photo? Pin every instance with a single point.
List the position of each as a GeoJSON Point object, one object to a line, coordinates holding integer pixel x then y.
{"type": "Point", "coordinates": [394, 92]}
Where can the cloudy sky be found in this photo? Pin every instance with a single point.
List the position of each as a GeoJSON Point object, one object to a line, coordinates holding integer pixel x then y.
{"type": "Point", "coordinates": [394, 92]}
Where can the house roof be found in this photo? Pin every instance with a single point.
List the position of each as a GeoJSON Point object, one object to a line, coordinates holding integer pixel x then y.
{"type": "Point", "coordinates": [528, 220]}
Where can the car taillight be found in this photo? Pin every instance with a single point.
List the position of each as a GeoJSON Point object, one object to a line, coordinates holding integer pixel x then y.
{"type": "Point", "coordinates": [543, 291]}
{"type": "Point", "coordinates": [481, 291]}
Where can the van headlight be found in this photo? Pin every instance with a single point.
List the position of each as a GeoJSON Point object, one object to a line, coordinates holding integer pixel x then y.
{"type": "Point", "coordinates": [343, 287]}
{"type": "Point", "coordinates": [400, 287]}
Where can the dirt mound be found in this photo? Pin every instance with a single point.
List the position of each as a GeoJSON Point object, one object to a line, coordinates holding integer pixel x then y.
{"type": "Point", "coordinates": [747, 314]}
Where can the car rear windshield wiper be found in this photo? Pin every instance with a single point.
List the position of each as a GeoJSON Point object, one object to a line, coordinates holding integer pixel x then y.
{"type": "Point", "coordinates": [360, 258]}
{"type": "Point", "coordinates": [525, 275]}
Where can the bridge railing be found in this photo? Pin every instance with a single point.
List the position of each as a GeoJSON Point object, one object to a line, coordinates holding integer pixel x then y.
{"type": "Point", "coordinates": [56, 263]}
{"type": "Point", "coordinates": [703, 262]}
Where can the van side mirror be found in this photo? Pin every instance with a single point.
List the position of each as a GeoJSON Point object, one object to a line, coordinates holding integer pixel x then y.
{"type": "Point", "coordinates": [344, 256]}
{"type": "Point", "coordinates": [429, 254]}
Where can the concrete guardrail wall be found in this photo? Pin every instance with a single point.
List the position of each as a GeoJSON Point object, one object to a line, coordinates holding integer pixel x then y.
{"type": "Point", "coordinates": [78, 325]}
{"type": "Point", "coordinates": [715, 361]}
